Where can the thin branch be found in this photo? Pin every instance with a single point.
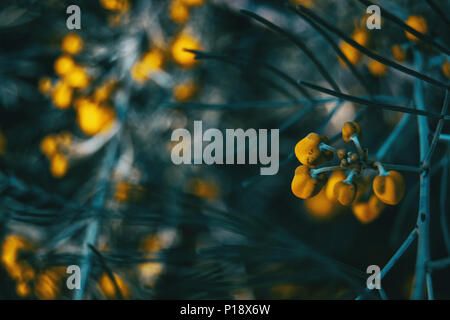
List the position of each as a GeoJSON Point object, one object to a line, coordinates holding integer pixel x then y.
{"type": "Point", "coordinates": [423, 218]}
{"type": "Point", "coordinates": [374, 104]}
{"type": "Point", "coordinates": [397, 255]}
{"type": "Point", "coordinates": [438, 11]}
{"type": "Point", "coordinates": [300, 44]}
{"type": "Point", "coordinates": [387, 144]}
{"type": "Point", "coordinates": [371, 54]}
{"type": "Point", "coordinates": [425, 38]}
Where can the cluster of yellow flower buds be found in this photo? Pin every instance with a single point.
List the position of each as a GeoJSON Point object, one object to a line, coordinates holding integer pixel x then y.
{"type": "Point", "coordinates": [45, 284]}
{"type": "Point", "coordinates": [351, 189]}
{"type": "Point", "coordinates": [53, 147]}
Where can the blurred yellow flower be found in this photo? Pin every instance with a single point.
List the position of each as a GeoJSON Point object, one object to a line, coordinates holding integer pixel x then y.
{"type": "Point", "coordinates": [179, 12]}
{"type": "Point", "coordinates": [320, 207]}
{"type": "Point", "coordinates": [125, 191]}
{"type": "Point", "coordinates": [185, 91]}
{"type": "Point", "coordinates": [72, 43]}
{"type": "Point", "coordinates": [63, 65]}
{"type": "Point", "coordinates": [398, 53]}
{"type": "Point", "coordinates": [58, 165]}
{"type": "Point", "coordinates": [115, 5]}
{"type": "Point", "coordinates": [49, 146]}
{"type": "Point", "coordinates": [48, 283]}
{"type": "Point", "coordinates": [153, 60]}
{"type": "Point", "coordinates": [361, 36]}
{"type": "Point", "coordinates": [202, 188]}
{"type": "Point", "coordinates": [182, 57]}
{"type": "Point", "coordinates": [376, 68]}
{"type": "Point", "coordinates": [106, 286]}
{"type": "Point", "coordinates": [23, 289]}
{"type": "Point", "coordinates": [77, 77]}
{"type": "Point", "coordinates": [62, 95]}
{"type": "Point", "coordinates": [12, 247]}
{"type": "Point", "coordinates": [93, 118]}
{"type": "Point", "coordinates": [418, 23]}
{"type": "Point", "coordinates": [193, 3]}
{"type": "Point", "coordinates": [45, 85]}
{"type": "Point", "coordinates": [305, 3]}
{"type": "Point", "coordinates": [102, 93]}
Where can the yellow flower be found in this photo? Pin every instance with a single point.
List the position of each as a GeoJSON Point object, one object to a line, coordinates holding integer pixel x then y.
{"type": "Point", "coordinates": [23, 289]}
{"type": "Point", "coordinates": [335, 177]}
{"type": "Point", "coordinates": [63, 65]}
{"type": "Point", "coordinates": [345, 192]}
{"type": "Point", "coordinates": [49, 146]}
{"type": "Point", "coordinates": [305, 186]}
{"type": "Point", "coordinates": [203, 189]}
{"type": "Point", "coordinates": [125, 191]}
{"type": "Point", "coordinates": [77, 77]}
{"type": "Point", "coordinates": [153, 60]}
{"type": "Point", "coordinates": [376, 68]}
{"type": "Point", "coordinates": [48, 283]}
{"type": "Point", "coordinates": [367, 212]}
{"type": "Point", "coordinates": [58, 165]}
{"type": "Point", "coordinates": [360, 36]}
{"type": "Point", "coordinates": [182, 57]}
{"type": "Point", "coordinates": [193, 3]}
{"type": "Point", "coordinates": [389, 188]}
{"type": "Point", "coordinates": [418, 23]}
{"type": "Point", "coordinates": [62, 95]}
{"type": "Point", "coordinates": [72, 43]}
{"type": "Point", "coordinates": [106, 286]}
{"type": "Point", "coordinates": [12, 247]}
{"type": "Point", "coordinates": [93, 118]}
{"type": "Point", "coordinates": [139, 72]}
{"type": "Point", "coordinates": [102, 93]}
{"type": "Point", "coordinates": [45, 85]}
{"type": "Point", "coordinates": [115, 5]}
{"type": "Point", "coordinates": [321, 207]}
{"type": "Point", "coordinates": [308, 150]}
{"type": "Point", "coordinates": [305, 3]}
{"type": "Point", "coordinates": [179, 12]}
{"type": "Point", "coordinates": [446, 68]}
{"type": "Point", "coordinates": [185, 91]}
{"type": "Point", "coordinates": [350, 129]}
{"type": "Point", "coordinates": [398, 53]}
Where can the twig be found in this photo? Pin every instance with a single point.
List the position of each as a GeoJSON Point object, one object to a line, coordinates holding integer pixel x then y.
{"type": "Point", "coordinates": [423, 219]}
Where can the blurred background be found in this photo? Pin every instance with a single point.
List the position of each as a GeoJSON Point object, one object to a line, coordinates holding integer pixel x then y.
{"type": "Point", "coordinates": [86, 118]}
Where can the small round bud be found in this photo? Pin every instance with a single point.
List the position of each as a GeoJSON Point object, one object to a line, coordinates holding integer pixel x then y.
{"type": "Point", "coordinates": [350, 129]}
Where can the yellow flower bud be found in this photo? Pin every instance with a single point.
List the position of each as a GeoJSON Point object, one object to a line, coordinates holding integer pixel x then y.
{"type": "Point", "coordinates": [345, 192]}
{"type": "Point", "coordinates": [49, 146]}
{"type": "Point", "coordinates": [12, 248]}
{"type": "Point", "coordinates": [72, 43]}
{"type": "Point", "coordinates": [363, 213]}
{"type": "Point", "coordinates": [63, 65]}
{"type": "Point", "coordinates": [93, 118]}
{"type": "Point", "coordinates": [335, 177]}
{"type": "Point", "coordinates": [389, 188]}
{"type": "Point", "coordinates": [321, 207]}
{"type": "Point", "coordinates": [376, 68]}
{"type": "Point", "coordinates": [375, 205]}
{"type": "Point", "coordinates": [193, 3]}
{"type": "Point", "coordinates": [304, 186]}
{"type": "Point", "coordinates": [179, 12]}
{"type": "Point", "coordinates": [182, 57]}
{"type": "Point", "coordinates": [398, 53]}
{"type": "Point", "coordinates": [62, 95]}
{"type": "Point", "coordinates": [106, 286]}
{"type": "Point", "coordinates": [349, 129]}
{"type": "Point", "coordinates": [77, 77]}
{"type": "Point", "coordinates": [185, 91]}
{"type": "Point", "coordinates": [58, 165]}
{"type": "Point", "coordinates": [308, 153]}
{"type": "Point", "coordinates": [45, 85]}
{"type": "Point", "coordinates": [418, 23]}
